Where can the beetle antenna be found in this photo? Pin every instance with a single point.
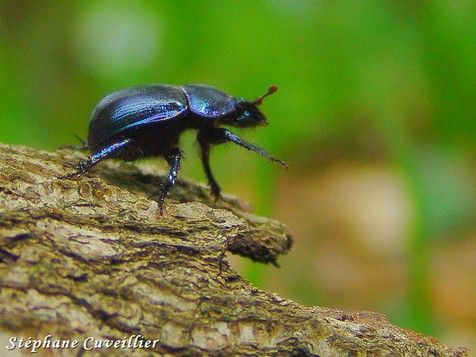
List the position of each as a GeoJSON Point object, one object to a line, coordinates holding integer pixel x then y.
{"type": "Point", "coordinates": [272, 89]}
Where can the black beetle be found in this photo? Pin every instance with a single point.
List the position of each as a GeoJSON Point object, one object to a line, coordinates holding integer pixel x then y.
{"type": "Point", "coordinates": [147, 121]}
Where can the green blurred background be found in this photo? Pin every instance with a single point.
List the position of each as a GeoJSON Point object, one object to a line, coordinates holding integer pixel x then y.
{"type": "Point", "coordinates": [376, 114]}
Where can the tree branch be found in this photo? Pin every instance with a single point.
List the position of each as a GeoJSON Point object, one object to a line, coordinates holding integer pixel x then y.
{"type": "Point", "coordinates": [92, 257]}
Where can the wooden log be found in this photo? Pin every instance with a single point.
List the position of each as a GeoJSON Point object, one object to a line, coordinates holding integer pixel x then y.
{"type": "Point", "coordinates": [90, 259]}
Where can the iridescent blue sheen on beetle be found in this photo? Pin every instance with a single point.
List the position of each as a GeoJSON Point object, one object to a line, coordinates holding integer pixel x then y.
{"type": "Point", "coordinates": [147, 120]}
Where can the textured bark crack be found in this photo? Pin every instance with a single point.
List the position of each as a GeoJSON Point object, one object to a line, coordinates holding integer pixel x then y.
{"type": "Point", "coordinates": [91, 257]}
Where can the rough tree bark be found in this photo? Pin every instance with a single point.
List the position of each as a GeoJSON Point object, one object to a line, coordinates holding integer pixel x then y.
{"type": "Point", "coordinates": [91, 257]}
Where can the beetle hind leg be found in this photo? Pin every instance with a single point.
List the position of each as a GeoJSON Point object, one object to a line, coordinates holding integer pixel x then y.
{"type": "Point", "coordinates": [106, 152]}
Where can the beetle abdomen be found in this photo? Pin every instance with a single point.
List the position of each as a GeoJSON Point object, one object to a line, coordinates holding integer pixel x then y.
{"type": "Point", "coordinates": [132, 108]}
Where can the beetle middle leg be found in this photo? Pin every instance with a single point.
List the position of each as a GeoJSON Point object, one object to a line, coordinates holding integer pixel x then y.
{"type": "Point", "coordinates": [173, 158]}
{"type": "Point", "coordinates": [104, 153]}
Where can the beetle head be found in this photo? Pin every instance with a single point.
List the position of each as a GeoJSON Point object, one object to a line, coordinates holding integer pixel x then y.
{"type": "Point", "coordinates": [248, 113]}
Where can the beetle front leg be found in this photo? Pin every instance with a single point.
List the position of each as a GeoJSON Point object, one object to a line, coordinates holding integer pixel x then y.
{"type": "Point", "coordinates": [227, 135]}
{"type": "Point", "coordinates": [94, 159]}
{"type": "Point", "coordinates": [205, 156]}
{"type": "Point", "coordinates": [173, 158]}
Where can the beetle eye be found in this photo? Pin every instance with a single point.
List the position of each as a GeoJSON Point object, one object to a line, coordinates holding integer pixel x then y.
{"type": "Point", "coordinates": [243, 118]}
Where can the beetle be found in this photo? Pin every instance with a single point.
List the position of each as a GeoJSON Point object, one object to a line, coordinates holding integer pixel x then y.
{"type": "Point", "coordinates": [147, 120]}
